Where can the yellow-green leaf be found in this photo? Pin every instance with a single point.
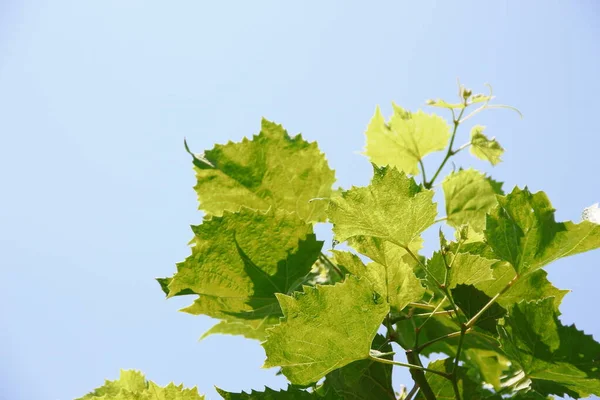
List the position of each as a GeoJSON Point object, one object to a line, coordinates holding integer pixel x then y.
{"type": "Point", "coordinates": [521, 230]}
{"type": "Point", "coordinates": [462, 268]}
{"type": "Point", "coordinates": [469, 195]}
{"type": "Point", "coordinates": [240, 261]}
{"type": "Point", "coordinates": [325, 328]}
{"type": "Point", "coordinates": [396, 281]}
{"type": "Point", "coordinates": [406, 139]}
{"type": "Point", "coordinates": [393, 208]}
{"type": "Point", "coordinates": [132, 385]}
{"type": "Point", "coordinates": [559, 360]}
{"type": "Point", "coordinates": [362, 380]}
{"type": "Point", "coordinates": [484, 148]}
{"type": "Point", "coordinates": [269, 394]}
{"type": "Point", "coordinates": [271, 170]}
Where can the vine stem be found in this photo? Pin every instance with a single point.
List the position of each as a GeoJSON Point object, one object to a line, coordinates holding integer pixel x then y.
{"type": "Point", "coordinates": [423, 170]}
{"type": "Point", "coordinates": [464, 146]}
{"type": "Point", "coordinates": [463, 332]}
{"type": "Point", "coordinates": [412, 392]}
{"type": "Point", "coordinates": [473, 320]}
{"type": "Point", "coordinates": [428, 315]}
{"type": "Point", "coordinates": [419, 376]}
{"type": "Point", "coordinates": [446, 336]}
{"type": "Point", "coordinates": [444, 288]}
{"type": "Point", "coordinates": [422, 305]}
{"type": "Point", "coordinates": [411, 366]}
{"type": "Point", "coordinates": [450, 152]}
{"type": "Point", "coordinates": [456, 389]}
{"type": "Point", "coordinates": [431, 314]}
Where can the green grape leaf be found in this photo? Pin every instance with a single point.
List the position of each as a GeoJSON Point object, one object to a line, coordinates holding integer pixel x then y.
{"type": "Point", "coordinates": [384, 252]}
{"type": "Point", "coordinates": [533, 286]}
{"type": "Point", "coordinates": [559, 360]}
{"type": "Point", "coordinates": [530, 395]}
{"type": "Point", "coordinates": [464, 268]}
{"type": "Point", "coordinates": [484, 148]}
{"type": "Point", "coordinates": [396, 282]}
{"type": "Point", "coordinates": [406, 139]}
{"type": "Point", "coordinates": [271, 170]}
{"type": "Point", "coordinates": [470, 300]}
{"type": "Point", "coordinates": [249, 328]}
{"type": "Point", "coordinates": [269, 394]}
{"type": "Point", "coordinates": [132, 385]}
{"type": "Point", "coordinates": [392, 208]}
{"type": "Point", "coordinates": [442, 387]}
{"type": "Point", "coordinates": [362, 380]}
{"type": "Point", "coordinates": [521, 230]}
{"type": "Point", "coordinates": [469, 195]}
{"type": "Point", "coordinates": [325, 328]}
{"type": "Point", "coordinates": [490, 365]}
{"type": "Point", "coordinates": [240, 260]}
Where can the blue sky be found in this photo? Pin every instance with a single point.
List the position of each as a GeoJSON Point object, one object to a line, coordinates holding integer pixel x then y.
{"type": "Point", "coordinates": [96, 97]}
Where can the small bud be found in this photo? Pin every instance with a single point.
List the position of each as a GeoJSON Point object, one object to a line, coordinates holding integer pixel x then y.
{"type": "Point", "coordinates": [466, 93]}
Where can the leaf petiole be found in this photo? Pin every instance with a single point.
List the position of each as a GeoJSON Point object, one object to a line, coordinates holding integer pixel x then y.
{"type": "Point", "coordinates": [447, 336]}
{"type": "Point", "coordinates": [473, 320]}
{"type": "Point", "coordinates": [411, 366]}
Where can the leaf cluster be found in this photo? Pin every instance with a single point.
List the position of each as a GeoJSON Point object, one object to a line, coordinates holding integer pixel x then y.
{"type": "Point", "coordinates": [482, 300]}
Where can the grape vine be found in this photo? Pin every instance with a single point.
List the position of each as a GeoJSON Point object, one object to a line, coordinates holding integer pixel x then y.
{"type": "Point", "coordinates": [482, 300]}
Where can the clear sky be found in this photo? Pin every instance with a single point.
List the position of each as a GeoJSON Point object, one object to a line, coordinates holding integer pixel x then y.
{"type": "Point", "coordinates": [97, 199]}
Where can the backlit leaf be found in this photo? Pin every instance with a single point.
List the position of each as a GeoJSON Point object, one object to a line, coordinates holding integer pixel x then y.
{"type": "Point", "coordinates": [484, 148]}
{"type": "Point", "coordinates": [522, 231]}
{"type": "Point", "coordinates": [132, 385]}
{"type": "Point", "coordinates": [464, 268]}
{"type": "Point", "coordinates": [393, 208]}
{"type": "Point", "coordinates": [364, 379]}
{"type": "Point", "coordinates": [396, 282]}
{"type": "Point", "coordinates": [271, 170]}
{"type": "Point", "coordinates": [240, 260]}
{"type": "Point", "coordinates": [534, 286]}
{"type": "Point", "coordinates": [469, 195]}
{"type": "Point", "coordinates": [559, 360]}
{"type": "Point", "coordinates": [325, 328]}
{"type": "Point", "coordinates": [269, 394]}
{"type": "Point", "coordinates": [406, 139]}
